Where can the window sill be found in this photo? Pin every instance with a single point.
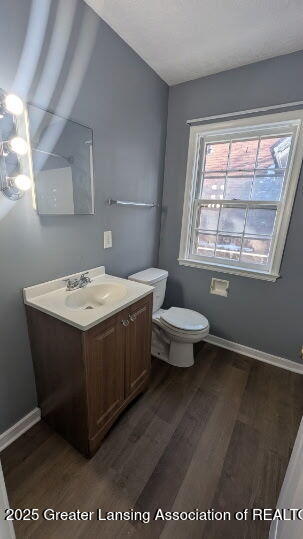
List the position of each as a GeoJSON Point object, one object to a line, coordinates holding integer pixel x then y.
{"type": "Point", "coordinates": [253, 274]}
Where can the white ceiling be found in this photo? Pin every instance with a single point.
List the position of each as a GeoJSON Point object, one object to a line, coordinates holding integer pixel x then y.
{"type": "Point", "coordinates": [186, 39]}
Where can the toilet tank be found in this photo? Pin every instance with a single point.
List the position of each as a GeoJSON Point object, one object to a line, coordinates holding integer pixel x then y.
{"type": "Point", "coordinates": [153, 277]}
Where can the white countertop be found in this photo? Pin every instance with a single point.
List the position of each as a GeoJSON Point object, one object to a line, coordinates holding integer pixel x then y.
{"type": "Point", "coordinates": [50, 298]}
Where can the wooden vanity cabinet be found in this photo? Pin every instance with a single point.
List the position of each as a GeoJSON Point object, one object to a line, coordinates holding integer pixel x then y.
{"type": "Point", "coordinates": [85, 379]}
{"type": "Point", "coordinates": [137, 360]}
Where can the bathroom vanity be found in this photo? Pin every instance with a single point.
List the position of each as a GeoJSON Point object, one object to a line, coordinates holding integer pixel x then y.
{"type": "Point", "coordinates": [91, 353]}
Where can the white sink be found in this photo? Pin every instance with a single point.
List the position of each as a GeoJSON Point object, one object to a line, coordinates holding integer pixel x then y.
{"type": "Point", "coordinates": [96, 296]}
{"type": "Point", "coordinates": [83, 308]}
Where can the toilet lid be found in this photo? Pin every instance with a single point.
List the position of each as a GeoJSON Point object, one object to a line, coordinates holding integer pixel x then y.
{"type": "Point", "coordinates": [185, 319]}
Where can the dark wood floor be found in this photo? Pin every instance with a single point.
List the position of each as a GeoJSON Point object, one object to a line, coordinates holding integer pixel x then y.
{"type": "Point", "coordinates": [218, 435]}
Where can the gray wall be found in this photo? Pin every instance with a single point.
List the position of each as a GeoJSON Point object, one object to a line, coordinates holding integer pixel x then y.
{"type": "Point", "coordinates": [263, 315]}
{"type": "Point", "coordinates": [125, 103]}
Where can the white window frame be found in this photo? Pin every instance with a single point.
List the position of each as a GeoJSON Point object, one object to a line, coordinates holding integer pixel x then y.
{"type": "Point", "coordinates": [283, 122]}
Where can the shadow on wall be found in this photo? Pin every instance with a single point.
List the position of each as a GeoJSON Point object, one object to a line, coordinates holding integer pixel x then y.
{"type": "Point", "coordinates": [174, 296]}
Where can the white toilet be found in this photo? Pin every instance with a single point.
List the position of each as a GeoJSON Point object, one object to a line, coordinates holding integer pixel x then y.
{"type": "Point", "coordinates": [175, 330]}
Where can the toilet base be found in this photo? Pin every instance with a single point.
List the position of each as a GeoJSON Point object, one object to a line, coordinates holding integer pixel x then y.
{"type": "Point", "coordinates": [175, 353]}
{"type": "Point", "coordinates": [181, 354]}
{"type": "Point", "coordinates": [159, 345]}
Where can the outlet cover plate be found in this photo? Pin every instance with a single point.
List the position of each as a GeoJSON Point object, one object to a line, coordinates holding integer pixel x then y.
{"type": "Point", "coordinates": [108, 241]}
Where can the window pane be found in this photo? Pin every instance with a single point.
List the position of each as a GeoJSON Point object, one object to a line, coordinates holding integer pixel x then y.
{"type": "Point", "coordinates": [273, 152]}
{"type": "Point", "coordinates": [206, 244]}
{"type": "Point", "coordinates": [208, 218]}
{"type": "Point", "coordinates": [216, 156]}
{"type": "Point", "coordinates": [228, 247]}
{"type": "Point", "coordinates": [243, 154]}
{"type": "Point", "coordinates": [232, 220]}
{"type": "Point", "coordinates": [213, 186]}
{"type": "Point", "coordinates": [238, 187]}
{"type": "Point", "coordinates": [260, 221]}
{"type": "Point", "coordinates": [255, 250]}
{"type": "Point", "coordinates": [267, 186]}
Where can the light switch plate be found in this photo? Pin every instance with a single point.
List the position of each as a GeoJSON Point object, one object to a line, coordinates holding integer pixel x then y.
{"type": "Point", "coordinates": [219, 287]}
{"type": "Point", "coordinates": [108, 241]}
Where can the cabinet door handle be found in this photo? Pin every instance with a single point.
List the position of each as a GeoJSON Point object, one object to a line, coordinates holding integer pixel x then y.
{"type": "Point", "coordinates": [125, 322]}
{"type": "Point", "coordinates": [132, 317]}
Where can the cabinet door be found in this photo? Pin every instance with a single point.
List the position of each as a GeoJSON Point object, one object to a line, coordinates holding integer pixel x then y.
{"type": "Point", "coordinates": [105, 353]}
{"type": "Point", "coordinates": [138, 357]}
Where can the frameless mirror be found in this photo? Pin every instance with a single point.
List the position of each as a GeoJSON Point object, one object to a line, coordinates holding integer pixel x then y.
{"type": "Point", "coordinates": [62, 164]}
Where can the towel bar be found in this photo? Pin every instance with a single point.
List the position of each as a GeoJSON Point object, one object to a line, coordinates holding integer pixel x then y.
{"type": "Point", "coordinates": [112, 202]}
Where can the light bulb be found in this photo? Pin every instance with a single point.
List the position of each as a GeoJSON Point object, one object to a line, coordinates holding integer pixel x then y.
{"type": "Point", "coordinates": [14, 104]}
{"type": "Point", "coordinates": [23, 182]}
{"type": "Point", "coordinates": [18, 145]}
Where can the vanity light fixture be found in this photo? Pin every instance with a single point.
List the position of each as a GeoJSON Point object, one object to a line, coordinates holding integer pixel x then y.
{"type": "Point", "coordinates": [14, 187]}
{"type": "Point", "coordinates": [13, 104]}
{"type": "Point", "coordinates": [18, 145]}
{"type": "Point", "coordinates": [22, 182]}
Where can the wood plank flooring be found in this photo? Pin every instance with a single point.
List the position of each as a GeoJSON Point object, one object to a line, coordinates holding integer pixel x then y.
{"type": "Point", "coordinates": [218, 435]}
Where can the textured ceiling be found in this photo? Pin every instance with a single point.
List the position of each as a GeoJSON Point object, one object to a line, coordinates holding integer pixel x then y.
{"type": "Point", "coordinates": [186, 39]}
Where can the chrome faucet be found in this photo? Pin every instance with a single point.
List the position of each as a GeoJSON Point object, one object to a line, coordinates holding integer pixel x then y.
{"type": "Point", "coordinates": [72, 283]}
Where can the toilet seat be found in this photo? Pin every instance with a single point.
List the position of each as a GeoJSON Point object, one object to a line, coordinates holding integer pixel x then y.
{"type": "Point", "coordinates": [184, 317]}
{"type": "Point", "coordinates": [182, 332]}
{"type": "Point", "coordinates": [184, 320]}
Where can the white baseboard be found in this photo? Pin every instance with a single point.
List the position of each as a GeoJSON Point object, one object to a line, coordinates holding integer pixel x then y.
{"type": "Point", "coordinates": [277, 361]}
{"type": "Point", "coordinates": [11, 434]}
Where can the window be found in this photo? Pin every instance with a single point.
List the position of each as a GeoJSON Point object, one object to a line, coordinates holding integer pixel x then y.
{"type": "Point", "coordinates": [240, 186]}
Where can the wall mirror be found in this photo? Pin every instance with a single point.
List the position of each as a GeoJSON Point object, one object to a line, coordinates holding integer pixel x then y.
{"type": "Point", "coordinates": [62, 164]}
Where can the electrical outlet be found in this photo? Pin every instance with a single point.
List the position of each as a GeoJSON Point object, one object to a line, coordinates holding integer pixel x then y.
{"type": "Point", "coordinates": [108, 241]}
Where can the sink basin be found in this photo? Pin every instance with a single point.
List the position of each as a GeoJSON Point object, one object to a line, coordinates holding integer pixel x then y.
{"type": "Point", "coordinates": [86, 307]}
{"type": "Point", "coordinates": [95, 296]}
